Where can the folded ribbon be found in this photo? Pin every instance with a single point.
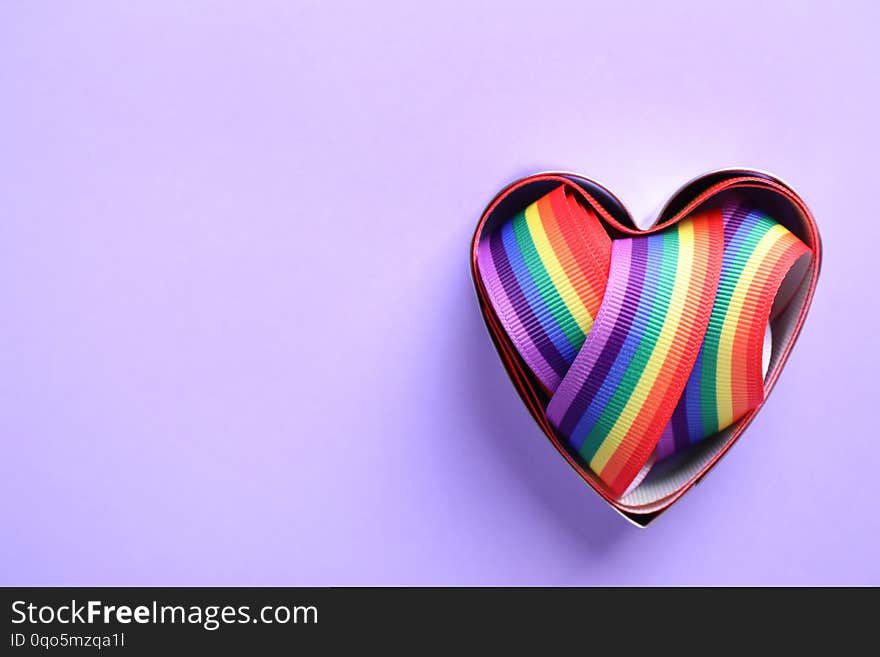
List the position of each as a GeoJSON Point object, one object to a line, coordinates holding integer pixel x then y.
{"type": "Point", "coordinates": [645, 344]}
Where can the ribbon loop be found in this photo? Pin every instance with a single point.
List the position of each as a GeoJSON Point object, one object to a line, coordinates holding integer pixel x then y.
{"type": "Point", "coordinates": [622, 388]}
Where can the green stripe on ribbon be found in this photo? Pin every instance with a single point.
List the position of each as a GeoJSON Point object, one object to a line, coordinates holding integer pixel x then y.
{"type": "Point", "coordinates": [554, 302]}
{"type": "Point", "coordinates": [726, 286]}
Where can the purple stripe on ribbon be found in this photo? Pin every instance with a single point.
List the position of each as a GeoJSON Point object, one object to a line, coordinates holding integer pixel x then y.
{"type": "Point", "coordinates": [733, 219]}
{"type": "Point", "coordinates": [596, 339]}
{"type": "Point", "coordinates": [555, 365]}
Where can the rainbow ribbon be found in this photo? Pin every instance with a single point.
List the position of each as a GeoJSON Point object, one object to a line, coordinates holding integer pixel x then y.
{"type": "Point", "coordinates": [646, 344]}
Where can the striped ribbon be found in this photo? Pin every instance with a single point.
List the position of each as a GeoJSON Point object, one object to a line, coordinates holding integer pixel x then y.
{"type": "Point", "coordinates": [646, 344]}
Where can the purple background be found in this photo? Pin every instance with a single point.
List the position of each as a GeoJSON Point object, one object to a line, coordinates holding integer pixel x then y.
{"type": "Point", "coordinates": [240, 343]}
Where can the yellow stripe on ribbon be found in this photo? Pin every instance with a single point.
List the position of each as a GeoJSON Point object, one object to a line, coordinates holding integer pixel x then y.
{"type": "Point", "coordinates": [724, 399]}
{"type": "Point", "coordinates": [556, 271]}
